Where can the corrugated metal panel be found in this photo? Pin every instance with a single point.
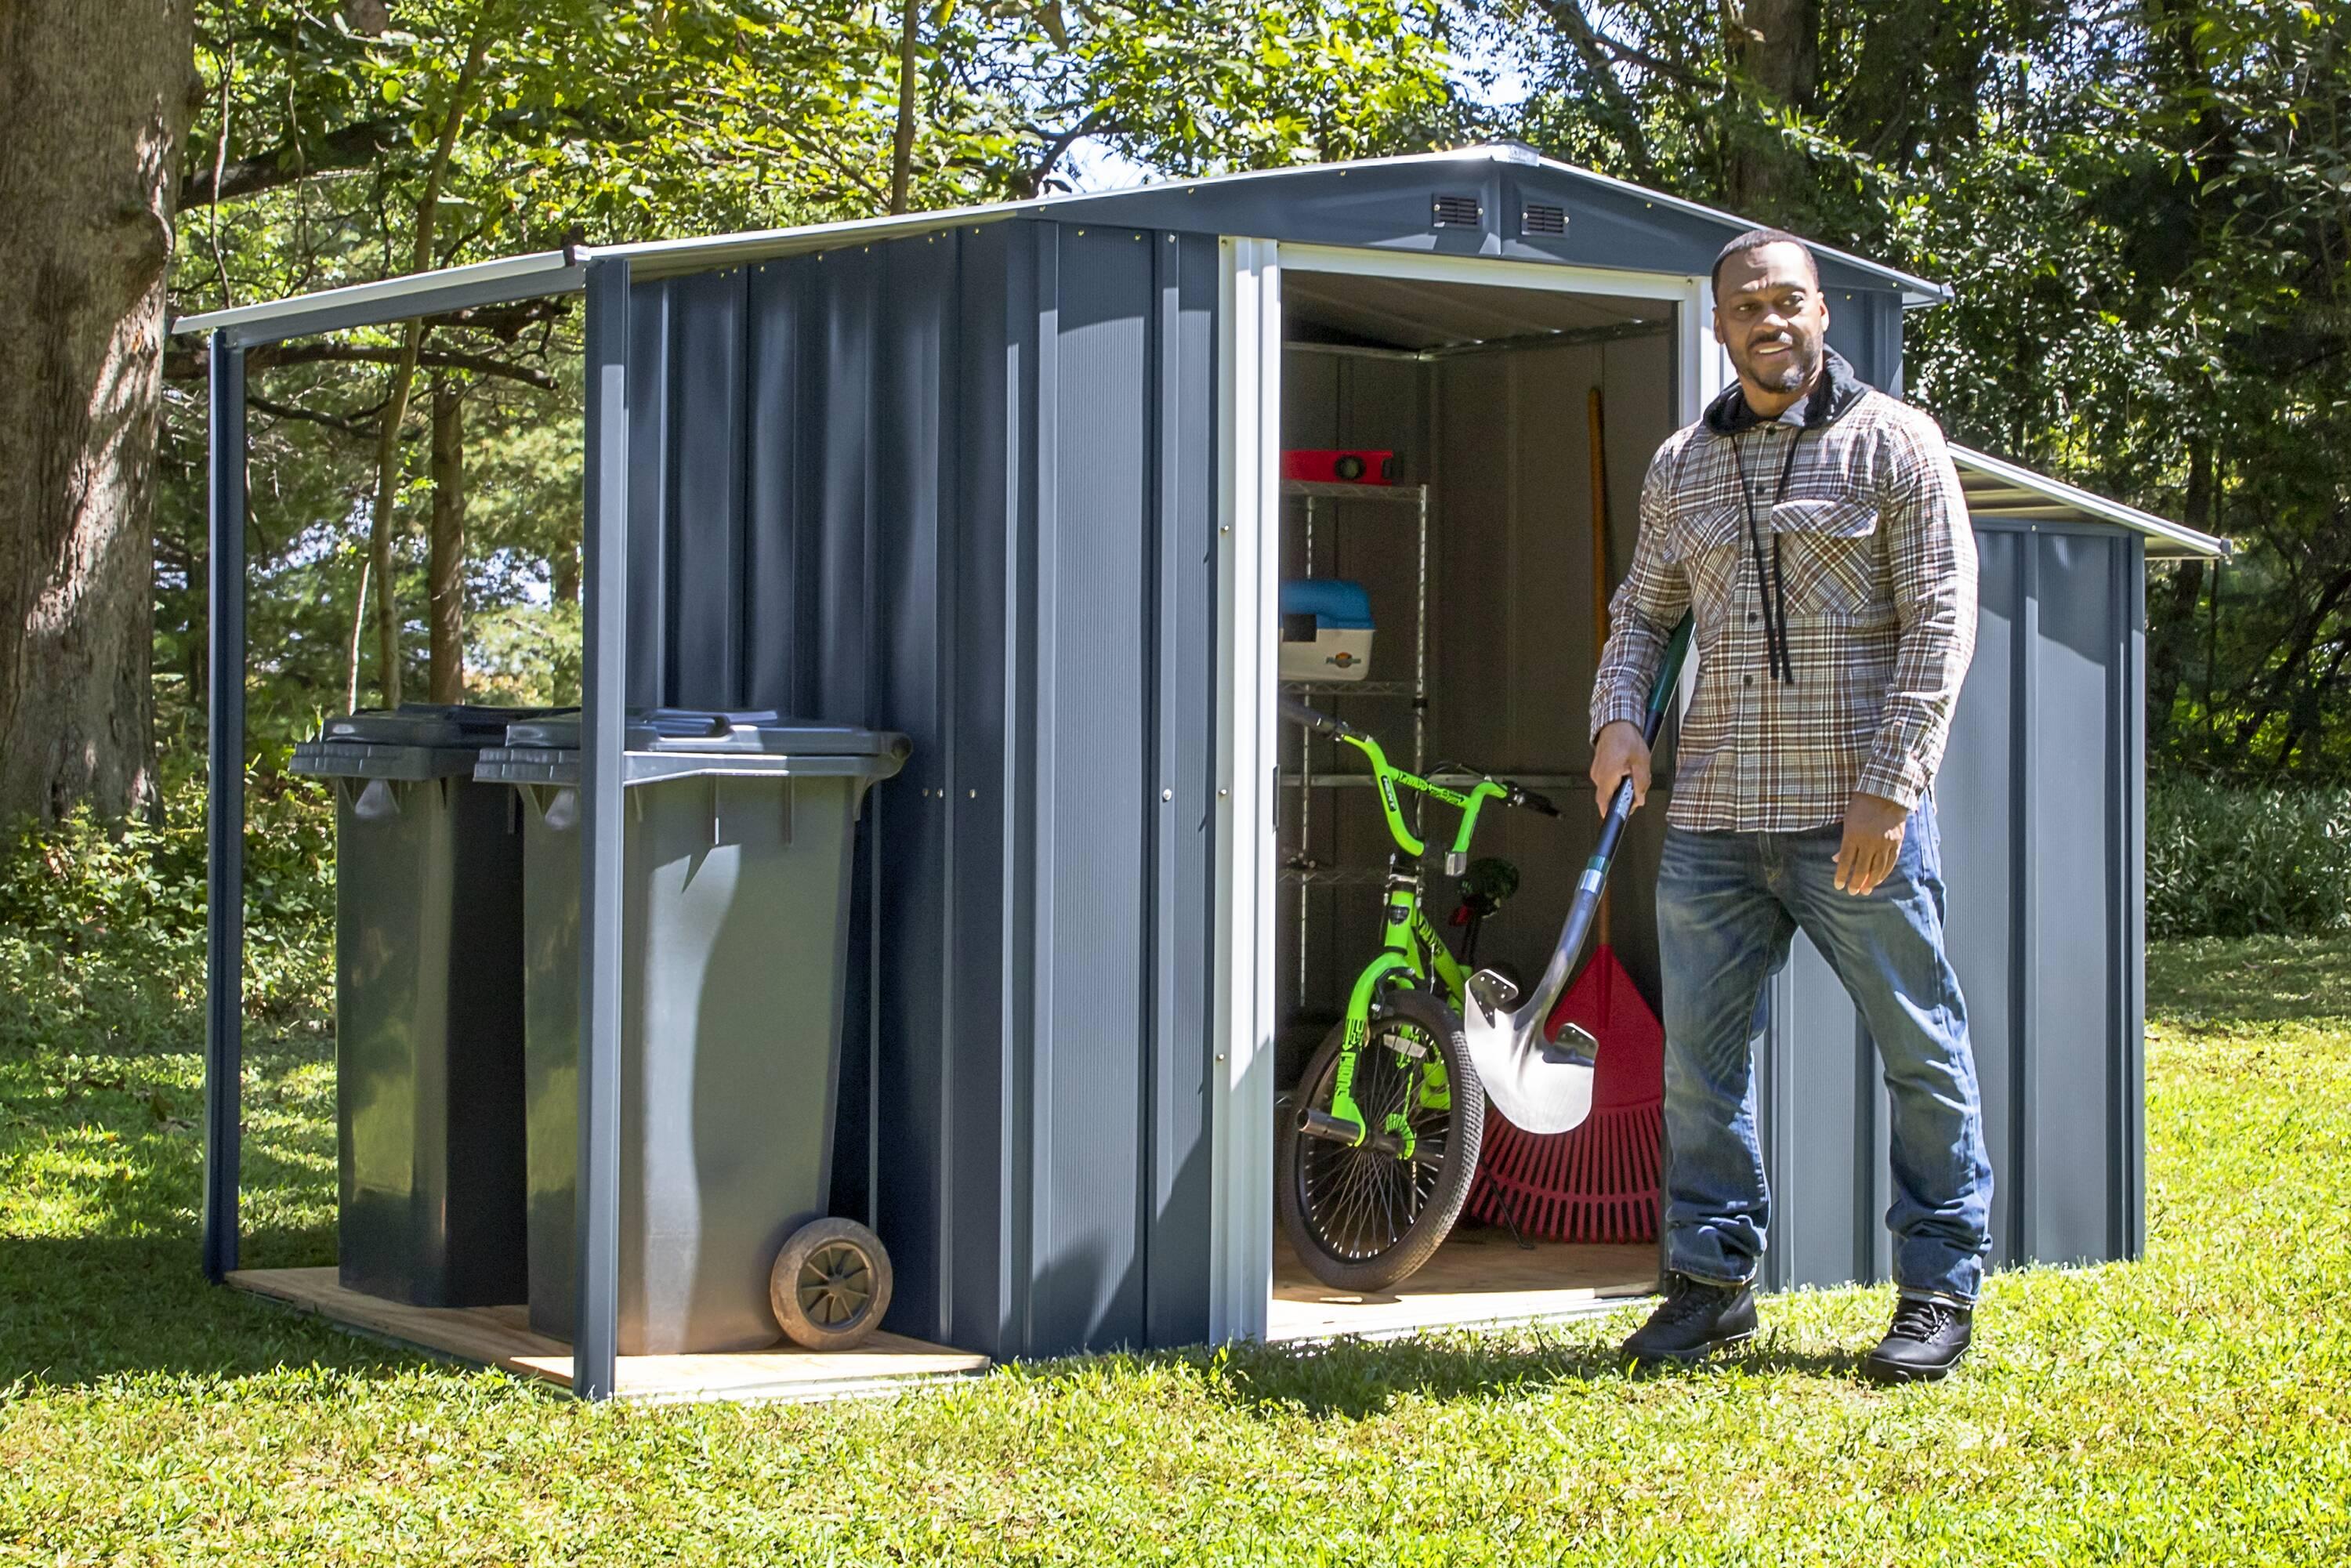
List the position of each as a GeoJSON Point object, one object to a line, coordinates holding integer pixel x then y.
{"type": "Point", "coordinates": [960, 485]}
{"type": "Point", "coordinates": [2040, 802]}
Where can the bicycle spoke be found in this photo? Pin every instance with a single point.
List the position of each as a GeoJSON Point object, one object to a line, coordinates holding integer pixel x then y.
{"type": "Point", "coordinates": [1357, 1203]}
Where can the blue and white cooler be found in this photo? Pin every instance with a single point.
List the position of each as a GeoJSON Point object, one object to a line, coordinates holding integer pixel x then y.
{"type": "Point", "coordinates": [1326, 630]}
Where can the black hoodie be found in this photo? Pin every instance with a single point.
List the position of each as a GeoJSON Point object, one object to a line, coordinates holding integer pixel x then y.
{"type": "Point", "coordinates": [1832, 398]}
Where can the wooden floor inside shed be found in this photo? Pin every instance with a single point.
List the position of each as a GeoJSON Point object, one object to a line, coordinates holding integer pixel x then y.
{"type": "Point", "coordinates": [501, 1337]}
{"type": "Point", "coordinates": [1478, 1277]}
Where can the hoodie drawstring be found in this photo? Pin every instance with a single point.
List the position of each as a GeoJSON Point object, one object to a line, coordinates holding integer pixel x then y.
{"type": "Point", "coordinates": [1771, 592]}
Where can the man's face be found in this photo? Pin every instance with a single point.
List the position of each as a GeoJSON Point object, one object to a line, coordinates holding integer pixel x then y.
{"type": "Point", "coordinates": [1769, 313]}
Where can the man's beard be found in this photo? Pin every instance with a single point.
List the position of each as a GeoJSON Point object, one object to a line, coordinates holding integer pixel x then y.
{"type": "Point", "coordinates": [1791, 376]}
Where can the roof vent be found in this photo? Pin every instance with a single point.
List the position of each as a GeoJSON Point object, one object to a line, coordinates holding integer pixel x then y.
{"type": "Point", "coordinates": [1458, 213]}
{"type": "Point", "coordinates": [1538, 219]}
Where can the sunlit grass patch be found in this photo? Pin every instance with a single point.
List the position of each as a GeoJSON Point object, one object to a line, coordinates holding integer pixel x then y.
{"type": "Point", "coordinates": [2191, 1408]}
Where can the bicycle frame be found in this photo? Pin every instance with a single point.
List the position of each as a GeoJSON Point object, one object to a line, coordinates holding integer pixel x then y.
{"type": "Point", "coordinates": [1411, 950]}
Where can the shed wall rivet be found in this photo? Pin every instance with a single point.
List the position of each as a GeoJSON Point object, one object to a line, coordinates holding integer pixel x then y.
{"type": "Point", "coordinates": [1167, 794]}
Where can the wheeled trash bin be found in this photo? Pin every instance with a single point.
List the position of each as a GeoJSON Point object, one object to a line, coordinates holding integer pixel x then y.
{"type": "Point", "coordinates": [734, 898]}
{"type": "Point", "coordinates": [428, 1004]}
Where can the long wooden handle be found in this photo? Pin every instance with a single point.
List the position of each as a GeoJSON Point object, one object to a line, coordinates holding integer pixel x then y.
{"type": "Point", "coordinates": [1599, 428]}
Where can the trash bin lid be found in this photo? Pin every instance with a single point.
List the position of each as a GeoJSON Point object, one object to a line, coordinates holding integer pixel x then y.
{"type": "Point", "coordinates": [414, 741]}
{"type": "Point", "coordinates": [703, 731]}
{"type": "Point", "coordinates": [546, 749]}
{"type": "Point", "coordinates": [431, 724]}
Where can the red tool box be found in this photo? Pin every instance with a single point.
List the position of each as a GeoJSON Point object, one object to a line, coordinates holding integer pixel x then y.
{"type": "Point", "coordinates": [1342, 466]}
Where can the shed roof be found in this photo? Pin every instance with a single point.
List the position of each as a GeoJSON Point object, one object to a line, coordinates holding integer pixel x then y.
{"type": "Point", "coordinates": [1999, 488]}
{"type": "Point", "coordinates": [1370, 201]}
{"type": "Point", "coordinates": [1380, 202]}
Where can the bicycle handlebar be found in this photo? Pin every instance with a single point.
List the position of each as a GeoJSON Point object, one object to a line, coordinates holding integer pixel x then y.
{"type": "Point", "coordinates": [1320, 723]}
{"type": "Point", "coordinates": [1532, 801]}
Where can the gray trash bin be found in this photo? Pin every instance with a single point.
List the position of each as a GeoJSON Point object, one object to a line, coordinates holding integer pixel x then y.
{"type": "Point", "coordinates": [428, 1004]}
{"type": "Point", "coordinates": [734, 899]}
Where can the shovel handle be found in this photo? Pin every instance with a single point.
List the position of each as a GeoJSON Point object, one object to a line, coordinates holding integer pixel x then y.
{"type": "Point", "coordinates": [1564, 963]}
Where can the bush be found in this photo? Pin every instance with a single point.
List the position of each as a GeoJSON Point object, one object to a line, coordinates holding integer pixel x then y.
{"type": "Point", "coordinates": [2226, 859]}
{"type": "Point", "coordinates": [102, 938]}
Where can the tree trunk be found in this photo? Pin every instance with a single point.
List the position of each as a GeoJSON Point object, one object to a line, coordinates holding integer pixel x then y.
{"type": "Point", "coordinates": [95, 95]}
{"type": "Point", "coordinates": [1776, 58]}
{"type": "Point", "coordinates": [2171, 630]}
{"type": "Point", "coordinates": [563, 574]}
{"type": "Point", "coordinates": [444, 569]}
{"type": "Point", "coordinates": [902, 150]}
{"type": "Point", "coordinates": [404, 374]}
{"type": "Point", "coordinates": [359, 635]}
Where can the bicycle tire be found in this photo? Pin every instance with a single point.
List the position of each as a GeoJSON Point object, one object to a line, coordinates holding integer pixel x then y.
{"type": "Point", "coordinates": [1337, 1201]}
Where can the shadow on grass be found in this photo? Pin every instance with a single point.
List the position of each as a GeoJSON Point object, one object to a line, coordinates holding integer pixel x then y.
{"type": "Point", "coordinates": [76, 1311]}
{"type": "Point", "coordinates": [1357, 1379]}
{"type": "Point", "coordinates": [2219, 982]}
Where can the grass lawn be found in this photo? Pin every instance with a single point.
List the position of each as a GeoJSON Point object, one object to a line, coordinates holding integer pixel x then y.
{"type": "Point", "coordinates": [2195, 1407]}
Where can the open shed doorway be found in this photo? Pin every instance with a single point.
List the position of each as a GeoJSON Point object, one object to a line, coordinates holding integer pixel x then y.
{"type": "Point", "coordinates": [1477, 564]}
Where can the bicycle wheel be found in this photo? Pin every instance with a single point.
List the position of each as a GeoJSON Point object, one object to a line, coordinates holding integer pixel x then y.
{"type": "Point", "coordinates": [1362, 1221]}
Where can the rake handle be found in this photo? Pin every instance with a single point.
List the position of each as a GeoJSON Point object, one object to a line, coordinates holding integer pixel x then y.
{"type": "Point", "coordinates": [1589, 887]}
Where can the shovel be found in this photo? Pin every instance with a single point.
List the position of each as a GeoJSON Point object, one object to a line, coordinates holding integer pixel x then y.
{"type": "Point", "coordinates": [1543, 1084]}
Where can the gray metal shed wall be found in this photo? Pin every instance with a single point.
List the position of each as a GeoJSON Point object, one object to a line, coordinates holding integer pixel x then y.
{"type": "Point", "coordinates": [961, 486]}
{"type": "Point", "coordinates": [2042, 806]}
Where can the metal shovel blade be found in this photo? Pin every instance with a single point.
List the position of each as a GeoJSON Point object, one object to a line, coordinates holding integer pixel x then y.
{"type": "Point", "coordinates": [1507, 1049]}
{"type": "Point", "coordinates": [1546, 1086]}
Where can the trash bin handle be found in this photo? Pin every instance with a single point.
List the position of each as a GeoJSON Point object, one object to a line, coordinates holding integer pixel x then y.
{"type": "Point", "coordinates": [655, 768]}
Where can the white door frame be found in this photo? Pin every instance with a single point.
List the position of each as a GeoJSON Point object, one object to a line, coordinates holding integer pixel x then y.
{"type": "Point", "coordinates": [1248, 569]}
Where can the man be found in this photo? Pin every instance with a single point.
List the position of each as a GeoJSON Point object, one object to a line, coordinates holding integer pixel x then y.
{"type": "Point", "coordinates": [1816, 529]}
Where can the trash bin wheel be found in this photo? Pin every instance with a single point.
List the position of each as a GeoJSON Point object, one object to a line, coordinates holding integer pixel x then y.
{"type": "Point", "coordinates": [830, 1284]}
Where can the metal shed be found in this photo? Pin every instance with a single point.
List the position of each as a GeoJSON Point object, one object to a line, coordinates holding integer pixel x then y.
{"type": "Point", "coordinates": [1007, 479]}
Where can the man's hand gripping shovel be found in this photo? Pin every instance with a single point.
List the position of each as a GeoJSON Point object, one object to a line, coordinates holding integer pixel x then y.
{"type": "Point", "coordinates": [1543, 1084]}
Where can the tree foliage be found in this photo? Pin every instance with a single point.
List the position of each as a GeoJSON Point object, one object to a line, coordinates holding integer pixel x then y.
{"type": "Point", "coordinates": [313, 164]}
{"type": "Point", "coordinates": [2145, 208]}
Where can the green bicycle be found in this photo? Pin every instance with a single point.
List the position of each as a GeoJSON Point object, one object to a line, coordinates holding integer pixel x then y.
{"type": "Point", "coordinates": [1373, 1169]}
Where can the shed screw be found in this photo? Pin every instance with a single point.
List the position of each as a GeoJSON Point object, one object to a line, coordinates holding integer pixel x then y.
{"type": "Point", "coordinates": [1223, 793]}
{"type": "Point", "coordinates": [974, 794]}
{"type": "Point", "coordinates": [1167, 794]}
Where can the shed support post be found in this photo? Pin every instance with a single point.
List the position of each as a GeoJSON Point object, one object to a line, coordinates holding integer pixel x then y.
{"type": "Point", "coordinates": [224, 816]}
{"type": "Point", "coordinates": [604, 597]}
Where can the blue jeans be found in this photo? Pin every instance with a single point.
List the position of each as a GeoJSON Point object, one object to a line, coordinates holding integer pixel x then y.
{"type": "Point", "coordinates": [1729, 906]}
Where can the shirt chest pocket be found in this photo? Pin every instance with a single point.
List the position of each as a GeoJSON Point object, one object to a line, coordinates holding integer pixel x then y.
{"type": "Point", "coordinates": [1710, 546]}
{"type": "Point", "coordinates": [1833, 559]}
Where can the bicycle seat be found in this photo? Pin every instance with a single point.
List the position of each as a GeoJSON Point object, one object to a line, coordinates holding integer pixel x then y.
{"type": "Point", "coordinates": [1487, 885]}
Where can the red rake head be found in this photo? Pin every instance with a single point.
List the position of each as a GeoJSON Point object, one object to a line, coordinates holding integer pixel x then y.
{"type": "Point", "coordinates": [1632, 1062]}
{"type": "Point", "coordinates": [1599, 1181]}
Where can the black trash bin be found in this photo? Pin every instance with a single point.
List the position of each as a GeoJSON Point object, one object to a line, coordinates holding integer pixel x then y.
{"type": "Point", "coordinates": [428, 1004]}
{"type": "Point", "coordinates": [735, 896]}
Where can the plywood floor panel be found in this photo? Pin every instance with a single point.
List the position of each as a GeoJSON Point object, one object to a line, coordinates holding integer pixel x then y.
{"type": "Point", "coordinates": [501, 1337]}
{"type": "Point", "coordinates": [1481, 1278]}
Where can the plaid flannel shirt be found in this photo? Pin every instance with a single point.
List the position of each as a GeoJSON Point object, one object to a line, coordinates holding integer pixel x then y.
{"type": "Point", "coordinates": [1879, 563]}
